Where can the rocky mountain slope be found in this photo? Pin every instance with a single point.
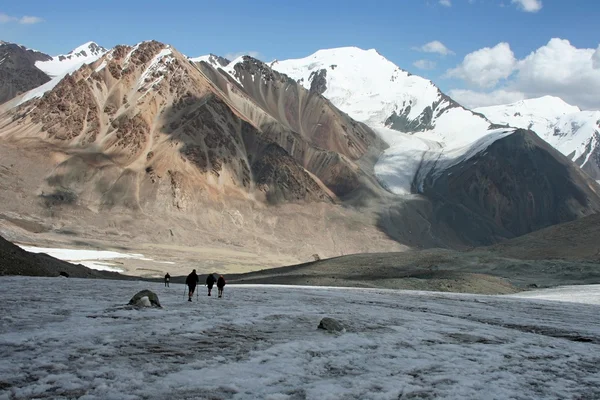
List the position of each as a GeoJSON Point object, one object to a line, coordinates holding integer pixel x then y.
{"type": "Point", "coordinates": [143, 131]}
{"type": "Point", "coordinates": [18, 72]}
{"type": "Point", "coordinates": [573, 132]}
{"type": "Point", "coordinates": [514, 184]}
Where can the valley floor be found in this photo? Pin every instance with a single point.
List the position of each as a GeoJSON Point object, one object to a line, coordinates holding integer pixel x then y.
{"type": "Point", "coordinates": [74, 338]}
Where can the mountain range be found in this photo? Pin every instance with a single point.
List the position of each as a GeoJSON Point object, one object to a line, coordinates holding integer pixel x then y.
{"type": "Point", "coordinates": [342, 149]}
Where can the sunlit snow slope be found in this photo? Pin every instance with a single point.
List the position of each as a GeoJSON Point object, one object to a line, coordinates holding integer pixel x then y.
{"type": "Point", "coordinates": [573, 132]}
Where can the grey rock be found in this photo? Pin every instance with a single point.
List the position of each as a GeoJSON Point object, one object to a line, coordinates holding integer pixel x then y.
{"type": "Point", "coordinates": [318, 81]}
{"type": "Point", "coordinates": [18, 72]}
{"type": "Point", "coordinates": [331, 325]}
{"type": "Point", "coordinates": [151, 299]}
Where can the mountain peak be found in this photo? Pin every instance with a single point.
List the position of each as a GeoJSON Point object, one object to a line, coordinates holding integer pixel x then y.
{"type": "Point", "coordinates": [64, 63]}
{"type": "Point", "coordinates": [212, 59]}
{"type": "Point", "coordinates": [374, 90]}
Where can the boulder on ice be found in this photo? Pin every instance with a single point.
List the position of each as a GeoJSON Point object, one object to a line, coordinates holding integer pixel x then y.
{"type": "Point", "coordinates": [331, 325]}
{"type": "Point", "coordinates": [145, 298]}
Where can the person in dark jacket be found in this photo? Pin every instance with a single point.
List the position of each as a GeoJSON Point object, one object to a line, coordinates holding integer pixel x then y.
{"type": "Point", "coordinates": [221, 284]}
{"type": "Point", "coordinates": [167, 279]}
{"type": "Point", "coordinates": [192, 280]}
{"type": "Point", "coordinates": [210, 282]}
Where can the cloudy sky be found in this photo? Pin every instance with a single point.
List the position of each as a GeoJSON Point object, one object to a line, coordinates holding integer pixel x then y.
{"type": "Point", "coordinates": [481, 52]}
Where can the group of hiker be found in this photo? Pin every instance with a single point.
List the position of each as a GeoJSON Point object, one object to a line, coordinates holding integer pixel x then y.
{"type": "Point", "coordinates": [193, 279]}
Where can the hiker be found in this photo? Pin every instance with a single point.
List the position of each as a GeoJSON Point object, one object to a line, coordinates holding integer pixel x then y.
{"type": "Point", "coordinates": [192, 280]}
{"type": "Point", "coordinates": [210, 282]}
{"type": "Point", "coordinates": [167, 279]}
{"type": "Point", "coordinates": [220, 285]}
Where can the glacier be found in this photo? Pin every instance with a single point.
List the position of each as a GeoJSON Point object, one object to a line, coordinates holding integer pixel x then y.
{"type": "Point", "coordinates": [67, 338]}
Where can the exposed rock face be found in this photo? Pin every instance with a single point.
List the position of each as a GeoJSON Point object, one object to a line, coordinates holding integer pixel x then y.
{"type": "Point", "coordinates": [401, 121]}
{"type": "Point", "coordinates": [325, 141]}
{"type": "Point", "coordinates": [18, 73]}
{"type": "Point", "coordinates": [517, 185]}
{"type": "Point", "coordinates": [318, 81]}
{"type": "Point", "coordinates": [69, 111]}
{"type": "Point", "coordinates": [91, 49]}
{"type": "Point", "coordinates": [212, 59]}
{"type": "Point", "coordinates": [274, 169]}
{"type": "Point", "coordinates": [590, 157]}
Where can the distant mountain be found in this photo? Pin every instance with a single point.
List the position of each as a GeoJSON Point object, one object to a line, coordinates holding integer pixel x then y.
{"type": "Point", "coordinates": [18, 72]}
{"type": "Point", "coordinates": [65, 63]}
{"type": "Point", "coordinates": [573, 132]}
{"type": "Point", "coordinates": [59, 66]}
{"type": "Point", "coordinates": [215, 61]}
{"type": "Point", "coordinates": [373, 90]}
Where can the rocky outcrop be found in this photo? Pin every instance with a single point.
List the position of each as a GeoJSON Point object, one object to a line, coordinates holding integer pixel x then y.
{"type": "Point", "coordinates": [318, 81]}
{"type": "Point", "coordinates": [401, 119]}
{"type": "Point", "coordinates": [331, 325]}
{"type": "Point", "coordinates": [18, 72]}
{"type": "Point", "coordinates": [69, 111]}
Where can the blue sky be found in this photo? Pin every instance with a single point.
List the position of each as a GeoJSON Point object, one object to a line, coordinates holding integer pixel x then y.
{"type": "Point", "coordinates": [290, 29]}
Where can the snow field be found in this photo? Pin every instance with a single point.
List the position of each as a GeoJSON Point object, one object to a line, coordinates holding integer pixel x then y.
{"type": "Point", "coordinates": [262, 342]}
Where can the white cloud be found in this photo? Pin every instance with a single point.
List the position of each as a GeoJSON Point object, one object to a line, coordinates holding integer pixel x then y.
{"type": "Point", "coordinates": [424, 64]}
{"type": "Point", "coordinates": [486, 67]}
{"type": "Point", "coordinates": [557, 69]}
{"type": "Point", "coordinates": [562, 70]}
{"type": "Point", "coordinates": [233, 56]}
{"type": "Point", "coordinates": [472, 99]}
{"type": "Point", "coordinates": [26, 19]}
{"type": "Point", "coordinates": [435, 47]}
{"type": "Point", "coordinates": [528, 5]}
{"type": "Point", "coordinates": [6, 18]}
{"type": "Point", "coordinates": [446, 3]}
{"type": "Point", "coordinates": [596, 58]}
{"type": "Point", "coordinates": [29, 20]}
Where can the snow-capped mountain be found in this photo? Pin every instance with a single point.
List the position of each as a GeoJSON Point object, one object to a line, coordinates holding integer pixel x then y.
{"type": "Point", "coordinates": [373, 90]}
{"type": "Point", "coordinates": [409, 112]}
{"type": "Point", "coordinates": [214, 60]}
{"type": "Point", "coordinates": [63, 64]}
{"type": "Point", "coordinates": [573, 132]}
{"type": "Point", "coordinates": [59, 66]}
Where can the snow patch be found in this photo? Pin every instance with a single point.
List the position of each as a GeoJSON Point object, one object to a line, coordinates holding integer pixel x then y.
{"type": "Point", "coordinates": [101, 66]}
{"type": "Point", "coordinates": [156, 70]}
{"type": "Point", "coordinates": [94, 259]}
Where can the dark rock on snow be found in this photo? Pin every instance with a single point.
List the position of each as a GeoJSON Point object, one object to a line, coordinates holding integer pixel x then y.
{"type": "Point", "coordinates": [145, 298]}
{"type": "Point", "coordinates": [331, 325]}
